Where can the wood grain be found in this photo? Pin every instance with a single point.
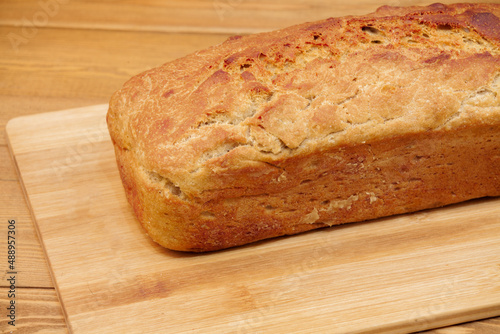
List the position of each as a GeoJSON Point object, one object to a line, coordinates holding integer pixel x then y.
{"type": "Point", "coordinates": [200, 16]}
{"type": "Point", "coordinates": [38, 311]}
{"type": "Point", "coordinates": [488, 326]}
{"type": "Point", "coordinates": [96, 59]}
{"type": "Point", "coordinates": [7, 170]}
{"type": "Point", "coordinates": [30, 260]}
{"type": "Point", "coordinates": [59, 69]}
{"type": "Point", "coordinates": [399, 274]}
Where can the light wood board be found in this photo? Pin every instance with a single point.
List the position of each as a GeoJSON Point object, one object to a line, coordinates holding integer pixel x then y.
{"type": "Point", "coordinates": [399, 274]}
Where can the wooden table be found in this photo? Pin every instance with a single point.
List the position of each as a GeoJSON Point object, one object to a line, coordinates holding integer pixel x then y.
{"type": "Point", "coordinates": [60, 54]}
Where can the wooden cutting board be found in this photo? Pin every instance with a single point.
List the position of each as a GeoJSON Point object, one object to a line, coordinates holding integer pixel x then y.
{"type": "Point", "coordinates": [399, 274]}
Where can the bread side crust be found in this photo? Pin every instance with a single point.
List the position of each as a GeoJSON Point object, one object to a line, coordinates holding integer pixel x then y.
{"type": "Point", "coordinates": [316, 125]}
{"type": "Point", "coordinates": [349, 183]}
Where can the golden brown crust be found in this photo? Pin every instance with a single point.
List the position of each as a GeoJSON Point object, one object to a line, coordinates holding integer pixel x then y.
{"type": "Point", "coordinates": [323, 123]}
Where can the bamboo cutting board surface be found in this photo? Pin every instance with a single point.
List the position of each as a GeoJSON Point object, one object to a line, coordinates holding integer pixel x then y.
{"type": "Point", "coordinates": [399, 274]}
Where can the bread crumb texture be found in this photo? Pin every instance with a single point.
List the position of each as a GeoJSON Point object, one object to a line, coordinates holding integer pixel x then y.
{"type": "Point", "coordinates": [313, 125]}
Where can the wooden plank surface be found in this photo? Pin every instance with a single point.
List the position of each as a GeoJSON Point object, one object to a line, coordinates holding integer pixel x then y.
{"type": "Point", "coordinates": [399, 274]}
{"type": "Point", "coordinates": [81, 54]}
{"type": "Point", "coordinates": [38, 311]}
{"type": "Point", "coordinates": [60, 68]}
{"type": "Point", "coordinates": [234, 16]}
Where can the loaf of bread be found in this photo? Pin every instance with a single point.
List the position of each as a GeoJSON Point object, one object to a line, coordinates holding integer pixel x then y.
{"type": "Point", "coordinates": [342, 120]}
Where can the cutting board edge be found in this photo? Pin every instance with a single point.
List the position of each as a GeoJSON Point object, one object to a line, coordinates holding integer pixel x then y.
{"type": "Point", "coordinates": [12, 122]}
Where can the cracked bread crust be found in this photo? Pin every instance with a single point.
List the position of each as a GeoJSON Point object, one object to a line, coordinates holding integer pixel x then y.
{"type": "Point", "coordinates": [318, 124]}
